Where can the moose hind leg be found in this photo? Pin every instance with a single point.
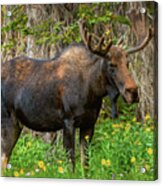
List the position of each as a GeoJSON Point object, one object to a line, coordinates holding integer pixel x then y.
{"type": "Point", "coordinates": [10, 131]}
{"type": "Point", "coordinates": [69, 140]}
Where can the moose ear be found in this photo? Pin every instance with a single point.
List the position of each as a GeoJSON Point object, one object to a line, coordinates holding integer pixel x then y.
{"type": "Point", "coordinates": [108, 56]}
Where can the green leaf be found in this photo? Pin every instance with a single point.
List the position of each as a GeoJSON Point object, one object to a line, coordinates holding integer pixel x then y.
{"type": "Point", "coordinates": [121, 19]}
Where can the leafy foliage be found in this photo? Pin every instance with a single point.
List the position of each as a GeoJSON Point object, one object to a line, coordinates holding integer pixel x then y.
{"type": "Point", "coordinates": [48, 31]}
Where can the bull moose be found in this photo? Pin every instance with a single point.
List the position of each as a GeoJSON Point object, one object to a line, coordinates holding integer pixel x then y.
{"type": "Point", "coordinates": [65, 92]}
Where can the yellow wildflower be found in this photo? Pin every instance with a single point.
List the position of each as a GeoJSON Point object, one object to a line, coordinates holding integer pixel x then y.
{"type": "Point", "coordinates": [147, 167]}
{"type": "Point", "coordinates": [44, 168]}
{"type": "Point", "coordinates": [117, 126]}
{"type": "Point", "coordinates": [86, 137]}
{"type": "Point", "coordinates": [147, 117]}
{"type": "Point", "coordinates": [148, 129]}
{"type": "Point", "coordinates": [127, 128]}
{"type": "Point", "coordinates": [150, 151]}
{"type": "Point", "coordinates": [21, 171]}
{"type": "Point", "coordinates": [60, 170]}
{"type": "Point", "coordinates": [16, 174]}
{"type": "Point", "coordinates": [108, 163]}
{"type": "Point", "coordinates": [29, 144]}
{"type": "Point", "coordinates": [103, 162]}
{"type": "Point", "coordinates": [32, 173]}
{"type": "Point", "coordinates": [107, 32]}
{"type": "Point", "coordinates": [133, 159]}
{"type": "Point", "coordinates": [59, 161]}
{"type": "Point", "coordinates": [134, 119]}
{"type": "Point", "coordinates": [41, 164]}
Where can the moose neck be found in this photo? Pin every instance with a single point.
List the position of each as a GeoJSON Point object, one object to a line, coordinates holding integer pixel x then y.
{"type": "Point", "coordinates": [98, 79]}
{"type": "Point", "coordinates": [103, 83]}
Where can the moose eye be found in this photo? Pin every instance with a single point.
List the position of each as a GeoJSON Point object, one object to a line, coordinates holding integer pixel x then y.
{"type": "Point", "coordinates": [113, 69]}
{"type": "Point", "coordinates": [113, 65]}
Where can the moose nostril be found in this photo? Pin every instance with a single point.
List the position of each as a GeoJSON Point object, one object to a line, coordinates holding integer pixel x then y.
{"type": "Point", "coordinates": [133, 93]}
{"type": "Point", "coordinates": [131, 90]}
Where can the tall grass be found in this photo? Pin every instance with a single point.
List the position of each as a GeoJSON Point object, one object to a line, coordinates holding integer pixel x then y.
{"type": "Point", "coordinates": [121, 149]}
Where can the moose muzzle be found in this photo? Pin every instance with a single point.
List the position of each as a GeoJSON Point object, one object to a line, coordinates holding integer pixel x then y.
{"type": "Point", "coordinates": [130, 94]}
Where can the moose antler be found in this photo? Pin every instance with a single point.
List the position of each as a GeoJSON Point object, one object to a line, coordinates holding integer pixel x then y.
{"type": "Point", "coordinates": [140, 28]}
{"type": "Point", "coordinates": [100, 48]}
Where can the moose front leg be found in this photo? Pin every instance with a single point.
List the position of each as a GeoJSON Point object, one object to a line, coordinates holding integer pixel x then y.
{"type": "Point", "coordinates": [114, 111]}
{"type": "Point", "coordinates": [85, 139]}
{"type": "Point", "coordinates": [113, 100]}
{"type": "Point", "coordinates": [69, 140]}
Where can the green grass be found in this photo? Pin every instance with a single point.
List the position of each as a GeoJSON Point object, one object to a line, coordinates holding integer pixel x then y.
{"type": "Point", "coordinates": [121, 149]}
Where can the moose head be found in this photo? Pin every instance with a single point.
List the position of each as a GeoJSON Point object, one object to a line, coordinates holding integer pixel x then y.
{"type": "Point", "coordinates": [116, 58]}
